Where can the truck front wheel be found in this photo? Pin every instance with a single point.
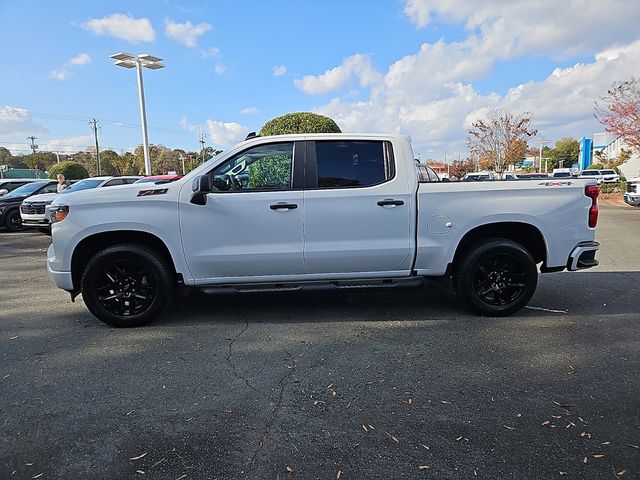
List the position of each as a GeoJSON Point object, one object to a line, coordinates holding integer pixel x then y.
{"type": "Point", "coordinates": [496, 277]}
{"type": "Point", "coordinates": [127, 285]}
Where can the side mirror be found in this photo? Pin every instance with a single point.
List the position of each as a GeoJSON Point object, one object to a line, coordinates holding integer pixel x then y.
{"type": "Point", "coordinates": [3, 191]}
{"type": "Point", "coordinates": [201, 186]}
{"type": "Point", "coordinates": [445, 179]}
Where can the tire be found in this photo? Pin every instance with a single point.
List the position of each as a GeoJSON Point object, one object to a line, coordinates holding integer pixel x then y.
{"type": "Point", "coordinates": [13, 221]}
{"type": "Point", "coordinates": [127, 285]}
{"type": "Point", "coordinates": [496, 278]}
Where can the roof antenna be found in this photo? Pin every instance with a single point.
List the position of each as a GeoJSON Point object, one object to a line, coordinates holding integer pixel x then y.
{"type": "Point", "coordinates": [251, 135]}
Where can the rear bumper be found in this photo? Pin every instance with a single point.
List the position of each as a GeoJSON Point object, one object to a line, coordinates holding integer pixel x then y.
{"type": "Point", "coordinates": [61, 280]}
{"type": "Point", "coordinates": [583, 256]}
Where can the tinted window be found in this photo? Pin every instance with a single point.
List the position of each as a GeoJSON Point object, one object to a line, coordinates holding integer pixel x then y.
{"type": "Point", "coordinates": [115, 181]}
{"type": "Point", "coordinates": [265, 167]}
{"type": "Point", "coordinates": [26, 189]}
{"type": "Point", "coordinates": [51, 188]}
{"type": "Point", "coordinates": [591, 172]}
{"type": "Point", "coordinates": [128, 181]}
{"type": "Point", "coordinates": [82, 185]}
{"type": "Point", "coordinates": [608, 172]}
{"type": "Point", "coordinates": [352, 164]}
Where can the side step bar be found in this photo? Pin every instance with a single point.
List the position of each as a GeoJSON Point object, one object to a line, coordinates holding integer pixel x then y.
{"type": "Point", "coordinates": [340, 285]}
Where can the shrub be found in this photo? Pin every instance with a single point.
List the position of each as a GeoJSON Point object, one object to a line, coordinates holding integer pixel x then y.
{"type": "Point", "coordinates": [300, 122]}
{"type": "Point", "coordinates": [617, 187]}
{"type": "Point", "coordinates": [70, 170]}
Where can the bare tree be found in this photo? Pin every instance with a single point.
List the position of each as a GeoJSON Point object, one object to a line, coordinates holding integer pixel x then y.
{"type": "Point", "coordinates": [500, 139]}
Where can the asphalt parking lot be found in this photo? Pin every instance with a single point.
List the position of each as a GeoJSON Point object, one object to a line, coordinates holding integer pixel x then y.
{"type": "Point", "coordinates": [347, 385]}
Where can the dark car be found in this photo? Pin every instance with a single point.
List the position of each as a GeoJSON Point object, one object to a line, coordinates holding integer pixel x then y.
{"type": "Point", "coordinates": [10, 203]}
{"type": "Point", "coordinates": [9, 184]}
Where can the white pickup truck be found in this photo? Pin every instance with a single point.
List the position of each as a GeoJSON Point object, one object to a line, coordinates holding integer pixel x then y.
{"type": "Point", "coordinates": [333, 210]}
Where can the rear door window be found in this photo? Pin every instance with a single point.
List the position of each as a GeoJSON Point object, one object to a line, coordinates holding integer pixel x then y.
{"type": "Point", "coordinates": [345, 164]}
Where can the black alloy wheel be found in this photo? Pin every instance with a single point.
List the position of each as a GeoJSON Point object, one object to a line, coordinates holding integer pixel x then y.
{"type": "Point", "coordinates": [127, 285]}
{"type": "Point", "coordinates": [14, 221]}
{"type": "Point", "coordinates": [496, 277]}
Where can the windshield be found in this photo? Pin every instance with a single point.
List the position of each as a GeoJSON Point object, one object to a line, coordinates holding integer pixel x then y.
{"type": "Point", "coordinates": [608, 172]}
{"type": "Point", "coordinates": [27, 189]}
{"type": "Point", "coordinates": [83, 185]}
{"type": "Point", "coordinates": [591, 172]}
{"type": "Point", "coordinates": [562, 174]}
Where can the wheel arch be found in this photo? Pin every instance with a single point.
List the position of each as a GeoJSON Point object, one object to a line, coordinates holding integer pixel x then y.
{"type": "Point", "coordinates": [92, 244]}
{"type": "Point", "coordinates": [526, 234]}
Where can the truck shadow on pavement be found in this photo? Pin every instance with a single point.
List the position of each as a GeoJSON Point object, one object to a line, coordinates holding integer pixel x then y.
{"type": "Point", "coordinates": [582, 293]}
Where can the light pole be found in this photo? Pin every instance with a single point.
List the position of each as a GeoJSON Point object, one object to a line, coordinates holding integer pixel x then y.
{"type": "Point", "coordinates": [128, 60]}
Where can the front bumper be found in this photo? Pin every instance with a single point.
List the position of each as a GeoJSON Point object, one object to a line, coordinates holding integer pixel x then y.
{"type": "Point", "coordinates": [632, 199]}
{"type": "Point", "coordinates": [62, 280]}
{"type": "Point", "coordinates": [35, 221]}
{"type": "Point", "coordinates": [583, 256]}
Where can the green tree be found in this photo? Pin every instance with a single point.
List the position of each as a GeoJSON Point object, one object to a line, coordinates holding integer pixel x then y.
{"type": "Point", "coordinates": [108, 159]}
{"type": "Point", "coordinates": [300, 122]}
{"type": "Point", "coordinates": [71, 170]}
{"type": "Point", "coordinates": [564, 153]}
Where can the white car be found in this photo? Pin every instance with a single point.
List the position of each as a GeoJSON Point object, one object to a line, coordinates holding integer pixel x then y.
{"type": "Point", "coordinates": [334, 210]}
{"type": "Point", "coordinates": [632, 195]}
{"type": "Point", "coordinates": [34, 209]}
{"type": "Point", "coordinates": [609, 175]}
{"type": "Point", "coordinates": [601, 176]}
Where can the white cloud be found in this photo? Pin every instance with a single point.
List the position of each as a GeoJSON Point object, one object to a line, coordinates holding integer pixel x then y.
{"type": "Point", "coordinates": [59, 75]}
{"type": "Point", "coordinates": [67, 144]}
{"type": "Point", "coordinates": [226, 134]}
{"type": "Point", "coordinates": [279, 70]}
{"type": "Point", "coordinates": [124, 27]}
{"type": "Point", "coordinates": [18, 121]}
{"type": "Point", "coordinates": [221, 134]}
{"type": "Point", "coordinates": [219, 68]}
{"type": "Point", "coordinates": [250, 111]}
{"type": "Point", "coordinates": [212, 52]}
{"type": "Point", "coordinates": [356, 67]}
{"type": "Point", "coordinates": [186, 33]}
{"type": "Point", "coordinates": [80, 59]}
{"type": "Point", "coordinates": [431, 95]}
{"type": "Point", "coordinates": [546, 26]}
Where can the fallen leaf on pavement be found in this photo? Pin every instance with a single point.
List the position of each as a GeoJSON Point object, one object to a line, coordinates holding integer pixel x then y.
{"type": "Point", "coordinates": [141, 472]}
{"type": "Point", "coordinates": [621, 473]}
{"type": "Point", "coordinates": [423, 467]}
{"type": "Point", "coordinates": [424, 446]}
{"type": "Point", "coordinates": [509, 427]}
{"type": "Point", "coordinates": [288, 469]}
{"type": "Point", "coordinates": [338, 473]}
{"type": "Point", "coordinates": [139, 456]}
{"type": "Point", "coordinates": [585, 460]}
{"type": "Point", "coordinates": [37, 476]}
{"type": "Point", "coordinates": [598, 455]}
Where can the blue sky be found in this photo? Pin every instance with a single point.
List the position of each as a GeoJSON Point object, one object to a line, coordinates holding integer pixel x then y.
{"type": "Point", "coordinates": [425, 68]}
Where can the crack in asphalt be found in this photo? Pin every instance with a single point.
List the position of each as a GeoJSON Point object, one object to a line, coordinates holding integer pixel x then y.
{"type": "Point", "coordinates": [274, 415]}
{"type": "Point", "coordinates": [232, 365]}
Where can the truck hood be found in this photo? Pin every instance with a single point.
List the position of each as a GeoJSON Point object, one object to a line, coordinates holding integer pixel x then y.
{"type": "Point", "coordinates": [118, 193]}
{"type": "Point", "coordinates": [43, 197]}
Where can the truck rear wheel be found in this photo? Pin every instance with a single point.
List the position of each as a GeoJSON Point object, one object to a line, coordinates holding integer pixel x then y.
{"type": "Point", "coordinates": [496, 278]}
{"type": "Point", "coordinates": [127, 285]}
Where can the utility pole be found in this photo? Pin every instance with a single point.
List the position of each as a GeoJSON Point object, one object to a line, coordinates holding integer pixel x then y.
{"type": "Point", "coordinates": [58, 157]}
{"type": "Point", "coordinates": [94, 127]}
{"type": "Point", "coordinates": [184, 172]}
{"type": "Point", "coordinates": [201, 141]}
{"type": "Point", "coordinates": [34, 147]}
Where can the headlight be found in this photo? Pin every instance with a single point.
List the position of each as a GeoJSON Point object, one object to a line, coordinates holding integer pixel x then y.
{"type": "Point", "coordinates": [58, 213]}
